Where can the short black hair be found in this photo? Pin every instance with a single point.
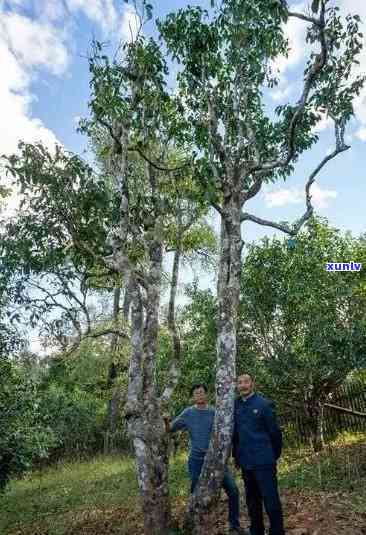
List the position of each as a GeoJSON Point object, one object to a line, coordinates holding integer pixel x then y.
{"type": "Point", "coordinates": [198, 385]}
{"type": "Point", "coordinates": [245, 373]}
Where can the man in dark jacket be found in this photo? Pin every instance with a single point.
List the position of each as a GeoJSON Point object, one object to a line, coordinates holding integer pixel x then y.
{"type": "Point", "coordinates": [257, 444]}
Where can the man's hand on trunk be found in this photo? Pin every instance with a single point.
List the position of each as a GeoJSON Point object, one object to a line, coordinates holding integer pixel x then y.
{"type": "Point", "coordinates": [167, 423]}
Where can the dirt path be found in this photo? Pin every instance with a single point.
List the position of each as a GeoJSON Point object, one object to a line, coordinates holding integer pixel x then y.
{"type": "Point", "coordinates": [311, 514]}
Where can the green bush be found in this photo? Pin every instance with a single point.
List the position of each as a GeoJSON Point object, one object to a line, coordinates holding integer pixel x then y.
{"type": "Point", "coordinates": [76, 420]}
{"type": "Point", "coordinates": [23, 438]}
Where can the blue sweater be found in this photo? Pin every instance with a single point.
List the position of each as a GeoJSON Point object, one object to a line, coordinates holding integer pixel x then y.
{"type": "Point", "coordinates": [198, 422]}
{"type": "Point", "coordinates": [257, 438]}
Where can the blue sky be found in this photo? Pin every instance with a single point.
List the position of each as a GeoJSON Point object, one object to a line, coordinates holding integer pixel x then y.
{"type": "Point", "coordinates": [44, 90]}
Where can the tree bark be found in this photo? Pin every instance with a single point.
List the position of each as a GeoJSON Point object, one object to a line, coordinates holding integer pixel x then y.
{"type": "Point", "coordinates": [145, 422]}
{"type": "Point", "coordinates": [152, 471]}
{"type": "Point", "coordinates": [112, 406]}
{"type": "Point", "coordinates": [207, 491]}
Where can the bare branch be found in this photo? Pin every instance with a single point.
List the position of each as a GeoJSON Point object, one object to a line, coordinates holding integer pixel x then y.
{"type": "Point", "coordinates": [115, 332]}
{"type": "Point", "coordinates": [306, 18]}
{"type": "Point", "coordinates": [280, 226]}
{"type": "Point", "coordinates": [157, 166]}
{"type": "Point", "coordinates": [82, 304]}
{"type": "Point", "coordinates": [56, 304]}
{"type": "Point", "coordinates": [340, 147]}
{"type": "Point", "coordinates": [137, 149]}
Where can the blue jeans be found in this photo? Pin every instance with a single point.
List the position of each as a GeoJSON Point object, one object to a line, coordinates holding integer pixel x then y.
{"type": "Point", "coordinates": [228, 484]}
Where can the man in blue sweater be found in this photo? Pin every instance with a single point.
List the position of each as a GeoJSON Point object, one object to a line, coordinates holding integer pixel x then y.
{"type": "Point", "coordinates": [198, 421]}
{"type": "Point", "coordinates": [257, 445]}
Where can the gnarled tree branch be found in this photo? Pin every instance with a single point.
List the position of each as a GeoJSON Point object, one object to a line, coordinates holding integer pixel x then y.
{"type": "Point", "coordinates": [292, 231]}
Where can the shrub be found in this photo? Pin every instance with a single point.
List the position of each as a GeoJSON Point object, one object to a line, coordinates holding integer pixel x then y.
{"type": "Point", "coordinates": [23, 438]}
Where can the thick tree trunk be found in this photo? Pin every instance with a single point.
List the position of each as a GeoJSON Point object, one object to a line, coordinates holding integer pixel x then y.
{"type": "Point", "coordinates": [207, 491]}
{"type": "Point", "coordinates": [151, 450]}
{"type": "Point", "coordinates": [145, 422]}
{"type": "Point", "coordinates": [142, 409]}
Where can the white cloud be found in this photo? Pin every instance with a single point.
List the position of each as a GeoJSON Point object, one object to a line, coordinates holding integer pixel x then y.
{"type": "Point", "coordinates": [25, 45]}
{"type": "Point", "coordinates": [324, 123]}
{"type": "Point", "coordinates": [360, 105]}
{"type": "Point", "coordinates": [295, 32]}
{"type": "Point", "coordinates": [101, 11]}
{"type": "Point", "coordinates": [284, 197]}
{"type": "Point", "coordinates": [41, 41]}
{"type": "Point", "coordinates": [283, 90]}
{"type": "Point", "coordinates": [320, 197]}
{"type": "Point", "coordinates": [34, 43]}
{"type": "Point", "coordinates": [361, 133]}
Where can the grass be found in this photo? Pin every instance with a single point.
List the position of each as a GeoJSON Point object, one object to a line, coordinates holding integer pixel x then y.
{"type": "Point", "coordinates": [341, 464]}
{"type": "Point", "coordinates": [75, 486]}
{"type": "Point", "coordinates": [50, 498]}
{"type": "Point", "coordinates": [339, 468]}
{"type": "Point", "coordinates": [68, 486]}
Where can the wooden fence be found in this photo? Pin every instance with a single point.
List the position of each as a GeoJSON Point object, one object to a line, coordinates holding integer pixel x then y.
{"type": "Point", "coordinates": [349, 396]}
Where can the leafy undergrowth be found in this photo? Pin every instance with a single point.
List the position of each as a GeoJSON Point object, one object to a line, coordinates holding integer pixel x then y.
{"type": "Point", "coordinates": [322, 494]}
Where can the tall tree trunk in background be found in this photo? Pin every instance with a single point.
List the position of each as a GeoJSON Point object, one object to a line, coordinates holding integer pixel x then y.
{"type": "Point", "coordinates": [115, 400]}
{"type": "Point", "coordinates": [207, 491]}
{"type": "Point", "coordinates": [174, 369]}
{"type": "Point", "coordinates": [112, 404]}
{"type": "Point", "coordinates": [315, 418]}
{"type": "Point", "coordinates": [127, 301]}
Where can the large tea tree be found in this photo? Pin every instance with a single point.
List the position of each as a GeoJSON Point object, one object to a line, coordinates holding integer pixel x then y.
{"type": "Point", "coordinates": [225, 59]}
{"type": "Point", "coordinates": [116, 226]}
{"type": "Point", "coordinates": [158, 205]}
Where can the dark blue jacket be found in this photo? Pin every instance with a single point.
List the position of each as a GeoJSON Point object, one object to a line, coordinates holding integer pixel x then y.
{"type": "Point", "coordinates": [257, 439]}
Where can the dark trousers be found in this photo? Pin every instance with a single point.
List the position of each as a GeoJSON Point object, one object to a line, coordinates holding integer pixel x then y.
{"type": "Point", "coordinates": [261, 487]}
{"type": "Point", "coordinates": [228, 484]}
